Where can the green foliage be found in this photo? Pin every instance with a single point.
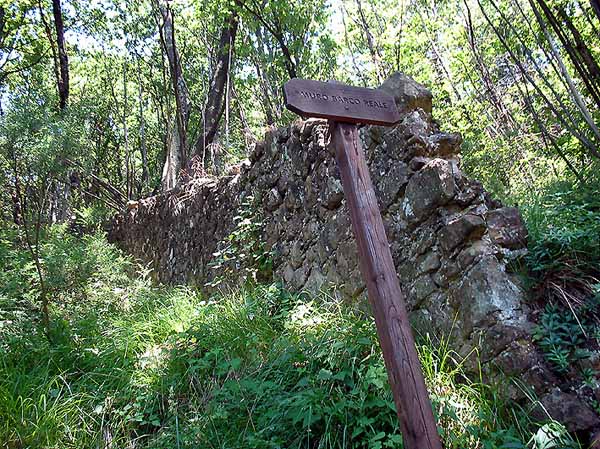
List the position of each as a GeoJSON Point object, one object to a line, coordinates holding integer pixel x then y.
{"type": "Point", "coordinates": [257, 368]}
{"type": "Point", "coordinates": [242, 257]}
{"type": "Point", "coordinates": [564, 230]}
{"type": "Point", "coordinates": [290, 376]}
{"type": "Point", "coordinates": [122, 99]}
{"type": "Point", "coordinates": [552, 435]}
{"type": "Point", "coordinates": [561, 336]}
{"type": "Point", "coordinates": [564, 267]}
{"type": "Point", "coordinates": [93, 217]}
{"type": "Point", "coordinates": [56, 394]}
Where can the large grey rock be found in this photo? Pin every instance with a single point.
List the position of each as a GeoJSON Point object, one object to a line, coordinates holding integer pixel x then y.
{"type": "Point", "coordinates": [409, 94]}
{"type": "Point", "coordinates": [390, 184]}
{"type": "Point", "coordinates": [445, 144]}
{"type": "Point", "coordinates": [486, 295]}
{"type": "Point", "coordinates": [570, 410]}
{"type": "Point", "coordinates": [429, 188]}
{"type": "Point", "coordinates": [460, 229]}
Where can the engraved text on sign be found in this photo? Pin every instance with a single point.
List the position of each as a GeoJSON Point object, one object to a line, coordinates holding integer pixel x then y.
{"type": "Point", "coordinates": [340, 102]}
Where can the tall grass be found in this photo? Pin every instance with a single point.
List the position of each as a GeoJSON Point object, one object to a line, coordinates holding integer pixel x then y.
{"type": "Point", "coordinates": [133, 365]}
{"type": "Point", "coordinates": [564, 226]}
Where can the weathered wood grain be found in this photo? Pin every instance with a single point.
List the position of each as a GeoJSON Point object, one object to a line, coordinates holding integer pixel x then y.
{"type": "Point", "coordinates": [340, 102]}
{"type": "Point", "coordinates": [417, 422]}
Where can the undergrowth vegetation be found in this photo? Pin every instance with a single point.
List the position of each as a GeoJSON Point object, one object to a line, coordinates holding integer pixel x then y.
{"type": "Point", "coordinates": [129, 364]}
{"type": "Point", "coordinates": [564, 233]}
{"type": "Point", "coordinates": [564, 275]}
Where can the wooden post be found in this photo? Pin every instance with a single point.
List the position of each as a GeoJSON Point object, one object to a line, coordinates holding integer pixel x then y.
{"type": "Point", "coordinates": [417, 422]}
{"type": "Point", "coordinates": [345, 106]}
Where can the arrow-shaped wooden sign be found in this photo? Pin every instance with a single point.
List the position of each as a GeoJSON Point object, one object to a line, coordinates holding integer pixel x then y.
{"type": "Point", "coordinates": [340, 102]}
{"type": "Point", "coordinates": [345, 106]}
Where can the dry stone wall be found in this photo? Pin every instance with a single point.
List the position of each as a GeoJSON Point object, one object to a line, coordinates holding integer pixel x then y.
{"type": "Point", "coordinates": [452, 243]}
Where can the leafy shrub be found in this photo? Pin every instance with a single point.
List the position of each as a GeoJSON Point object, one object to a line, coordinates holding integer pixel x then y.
{"type": "Point", "coordinates": [561, 335]}
{"type": "Point", "coordinates": [93, 217]}
{"type": "Point", "coordinates": [242, 256]}
{"type": "Point", "coordinates": [310, 374]}
{"type": "Point", "coordinates": [564, 231]}
{"type": "Point", "coordinates": [73, 267]}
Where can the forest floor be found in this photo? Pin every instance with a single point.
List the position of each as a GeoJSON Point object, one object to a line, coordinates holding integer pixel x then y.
{"type": "Point", "coordinates": [129, 364]}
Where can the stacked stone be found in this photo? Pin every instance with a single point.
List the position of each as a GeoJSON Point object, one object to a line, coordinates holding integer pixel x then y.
{"type": "Point", "coordinates": [452, 244]}
{"type": "Point", "coordinates": [176, 233]}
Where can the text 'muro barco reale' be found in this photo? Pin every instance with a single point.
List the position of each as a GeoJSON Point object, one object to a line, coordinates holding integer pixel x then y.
{"type": "Point", "coordinates": [344, 100]}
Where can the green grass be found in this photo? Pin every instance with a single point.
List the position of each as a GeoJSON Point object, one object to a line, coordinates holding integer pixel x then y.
{"type": "Point", "coordinates": [133, 365]}
{"type": "Point", "coordinates": [564, 230]}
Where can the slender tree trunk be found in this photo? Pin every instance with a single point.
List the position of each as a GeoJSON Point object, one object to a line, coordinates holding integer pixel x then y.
{"type": "Point", "coordinates": [582, 49]}
{"type": "Point", "coordinates": [559, 116]}
{"type": "Point", "coordinates": [357, 71]}
{"type": "Point", "coordinates": [51, 41]}
{"type": "Point", "coordinates": [2, 23]}
{"type": "Point", "coordinates": [588, 17]}
{"type": "Point", "coordinates": [116, 102]}
{"type": "Point", "coordinates": [60, 197]}
{"type": "Point", "coordinates": [261, 71]}
{"type": "Point", "coordinates": [266, 94]}
{"type": "Point", "coordinates": [163, 116]}
{"type": "Point", "coordinates": [275, 29]}
{"type": "Point", "coordinates": [545, 133]}
{"type": "Point", "coordinates": [596, 7]}
{"type": "Point", "coordinates": [33, 242]}
{"type": "Point", "coordinates": [445, 68]}
{"type": "Point", "coordinates": [292, 67]}
{"type": "Point", "coordinates": [592, 88]}
{"type": "Point", "coordinates": [177, 142]}
{"type": "Point", "coordinates": [128, 170]}
{"type": "Point", "coordinates": [562, 73]}
{"type": "Point", "coordinates": [182, 111]}
{"type": "Point", "coordinates": [215, 104]}
{"type": "Point", "coordinates": [373, 49]}
{"type": "Point", "coordinates": [63, 60]}
{"type": "Point", "coordinates": [143, 148]}
{"type": "Point", "coordinates": [503, 119]}
{"type": "Point", "coordinates": [249, 137]}
{"type": "Point", "coordinates": [577, 98]}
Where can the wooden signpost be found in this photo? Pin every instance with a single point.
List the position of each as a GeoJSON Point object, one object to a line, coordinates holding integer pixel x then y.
{"type": "Point", "coordinates": [345, 106]}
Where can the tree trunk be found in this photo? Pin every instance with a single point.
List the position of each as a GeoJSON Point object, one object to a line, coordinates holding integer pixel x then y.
{"type": "Point", "coordinates": [563, 119]}
{"type": "Point", "coordinates": [177, 148]}
{"type": "Point", "coordinates": [579, 65]}
{"type": "Point", "coordinates": [215, 104]}
{"type": "Point", "coordinates": [357, 71]}
{"type": "Point", "coordinates": [291, 65]}
{"type": "Point", "coordinates": [59, 202]}
{"type": "Point", "coordinates": [503, 118]}
{"type": "Point", "coordinates": [63, 60]}
{"type": "Point", "coordinates": [582, 49]}
{"type": "Point", "coordinates": [589, 18]}
{"type": "Point", "coordinates": [575, 94]}
{"type": "Point", "coordinates": [128, 159]}
{"type": "Point", "coordinates": [546, 135]}
{"type": "Point", "coordinates": [261, 72]}
{"type": "Point", "coordinates": [33, 242]}
{"type": "Point", "coordinates": [562, 73]}
{"type": "Point", "coordinates": [143, 147]}
{"type": "Point", "coordinates": [596, 7]}
{"type": "Point", "coordinates": [173, 161]}
{"type": "Point", "coordinates": [248, 135]}
{"type": "Point", "coordinates": [373, 48]}
{"type": "Point", "coordinates": [2, 23]}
